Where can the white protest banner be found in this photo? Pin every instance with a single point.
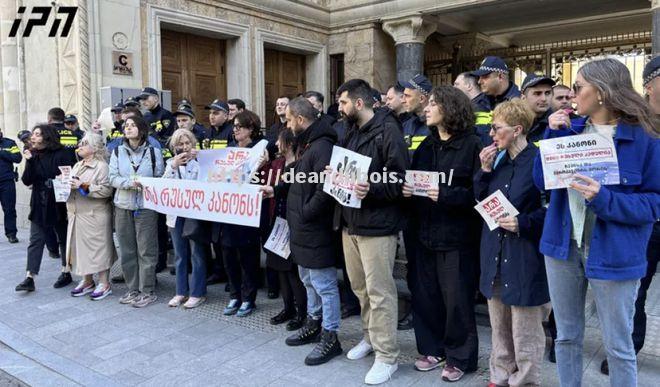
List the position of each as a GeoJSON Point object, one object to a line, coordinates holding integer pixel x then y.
{"type": "Point", "coordinates": [278, 241]}
{"type": "Point", "coordinates": [229, 165]}
{"type": "Point", "coordinates": [421, 181]}
{"type": "Point", "coordinates": [494, 207]}
{"type": "Point", "coordinates": [348, 167]}
{"type": "Point", "coordinates": [217, 202]}
{"type": "Point", "coordinates": [62, 184]}
{"type": "Point", "coordinates": [591, 155]}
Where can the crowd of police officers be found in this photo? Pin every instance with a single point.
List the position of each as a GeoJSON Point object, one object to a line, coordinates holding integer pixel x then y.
{"type": "Point", "coordinates": [403, 106]}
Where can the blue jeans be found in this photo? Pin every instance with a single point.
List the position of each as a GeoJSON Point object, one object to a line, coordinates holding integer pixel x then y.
{"type": "Point", "coordinates": [322, 295]}
{"type": "Point", "coordinates": [187, 250]}
{"type": "Point", "coordinates": [615, 305]}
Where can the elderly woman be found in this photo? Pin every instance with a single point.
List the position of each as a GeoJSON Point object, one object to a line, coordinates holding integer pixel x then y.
{"type": "Point", "coordinates": [89, 208]}
{"type": "Point", "coordinates": [512, 268]}
{"type": "Point", "coordinates": [596, 235]}
{"type": "Point", "coordinates": [447, 230]}
{"type": "Point", "coordinates": [136, 227]}
{"type": "Point", "coordinates": [188, 252]}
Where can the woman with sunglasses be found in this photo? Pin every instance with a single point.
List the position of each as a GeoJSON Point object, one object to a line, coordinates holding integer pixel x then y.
{"type": "Point", "coordinates": [596, 235]}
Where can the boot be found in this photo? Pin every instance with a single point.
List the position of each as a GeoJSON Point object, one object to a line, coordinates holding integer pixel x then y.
{"type": "Point", "coordinates": [26, 286]}
{"type": "Point", "coordinates": [63, 280]}
{"type": "Point", "coordinates": [309, 333]}
{"type": "Point", "coordinates": [325, 350]}
{"type": "Point", "coordinates": [296, 322]}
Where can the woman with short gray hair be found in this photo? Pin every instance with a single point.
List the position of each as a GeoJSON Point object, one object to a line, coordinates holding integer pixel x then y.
{"type": "Point", "coordinates": [90, 249]}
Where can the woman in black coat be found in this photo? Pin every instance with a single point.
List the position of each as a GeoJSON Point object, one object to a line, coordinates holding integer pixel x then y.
{"type": "Point", "coordinates": [512, 269]}
{"type": "Point", "coordinates": [446, 228]}
{"type": "Point", "coordinates": [43, 159]}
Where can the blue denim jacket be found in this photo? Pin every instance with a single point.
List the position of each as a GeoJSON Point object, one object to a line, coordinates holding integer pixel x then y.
{"type": "Point", "coordinates": [625, 212]}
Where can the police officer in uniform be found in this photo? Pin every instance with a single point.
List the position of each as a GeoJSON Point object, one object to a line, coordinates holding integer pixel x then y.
{"type": "Point", "coordinates": [469, 85]}
{"type": "Point", "coordinates": [185, 119]}
{"type": "Point", "coordinates": [160, 120]}
{"type": "Point", "coordinates": [132, 102]}
{"type": "Point", "coordinates": [537, 92]}
{"type": "Point", "coordinates": [198, 129]}
{"type": "Point", "coordinates": [416, 97]}
{"type": "Point", "coordinates": [118, 129]}
{"type": "Point", "coordinates": [9, 155]}
{"type": "Point", "coordinates": [68, 138]}
{"type": "Point", "coordinates": [71, 123]}
{"type": "Point", "coordinates": [220, 133]}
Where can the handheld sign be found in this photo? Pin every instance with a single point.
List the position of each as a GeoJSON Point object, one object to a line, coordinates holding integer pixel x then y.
{"type": "Point", "coordinates": [230, 165]}
{"type": "Point", "coordinates": [278, 241]}
{"type": "Point", "coordinates": [494, 207]}
{"type": "Point", "coordinates": [348, 168]}
{"type": "Point", "coordinates": [590, 154]}
{"type": "Point", "coordinates": [62, 184]}
{"type": "Point", "coordinates": [422, 181]}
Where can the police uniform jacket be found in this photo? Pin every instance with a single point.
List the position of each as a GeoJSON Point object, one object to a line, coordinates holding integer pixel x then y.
{"type": "Point", "coordinates": [536, 132]}
{"type": "Point", "coordinates": [219, 138]}
{"type": "Point", "coordinates": [161, 124]}
{"type": "Point", "coordinates": [69, 139]}
{"type": "Point", "coordinates": [511, 92]}
{"type": "Point", "coordinates": [483, 118]}
{"type": "Point", "coordinates": [514, 258]}
{"type": "Point", "coordinates": [9, 155]}
{"type": "Point", "coordinates": [414, 132]}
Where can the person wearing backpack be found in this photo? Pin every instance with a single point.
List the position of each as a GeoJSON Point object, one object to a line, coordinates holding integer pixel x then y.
{"type": "Point", "coordinates": [136, 226]}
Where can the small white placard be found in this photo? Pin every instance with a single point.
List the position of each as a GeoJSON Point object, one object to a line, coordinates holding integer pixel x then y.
{"type": "Point", "coordinates": [494, 207]}
{"type": "Point", "coordinates": [278, 241]}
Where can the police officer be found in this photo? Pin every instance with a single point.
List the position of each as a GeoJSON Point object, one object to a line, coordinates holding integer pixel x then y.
{"type": "Point", "coordinates": [198, 129]}
{"type": "Point", "coordinates": [469, 85]}
{"type": "Point", "coordinates": [185, 119]}
{"type": "Point", "coordinates": [132, 102]}
{"type": "Point", "coordinates": [71, 123]}
{"type": "Point", "coordinates": [68, 138]}
{"type": "Point", "coordinates": [394, 101]}
{"type": "Point", "coordinates": [118, 130]}
{"type": "Point", "coordinates": [493, 74]}
{"type": "Point", "coordinates": [537, 92]}
{"type": "Point", "coordinates": [416, 97]}
{"type": "Point", "coordinates": [9, 155]}
{"type": "Point", "coordinates": [220, 133]}
{"type": "Point", "coordinates": [160, 120]}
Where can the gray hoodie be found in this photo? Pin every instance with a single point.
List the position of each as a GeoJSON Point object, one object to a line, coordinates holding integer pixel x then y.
{"type": "Point", "coordinates": [123, 171]}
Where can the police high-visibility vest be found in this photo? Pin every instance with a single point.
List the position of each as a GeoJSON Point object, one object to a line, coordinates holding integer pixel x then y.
{"type": "Point", "coordinates": [484, 118]}
{"type": "Point", "coordinates": [413, 141]}
{"type": "Point", "coordinates": [216, 144]}
{"type": "Point", "coordinates": [68, 139]}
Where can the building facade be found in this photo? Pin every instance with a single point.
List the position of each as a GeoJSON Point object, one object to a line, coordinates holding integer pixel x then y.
{"type": "Point", "coordinates": [257, 50]}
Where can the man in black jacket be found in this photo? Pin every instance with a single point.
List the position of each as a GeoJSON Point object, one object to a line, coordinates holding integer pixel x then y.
{"type": "Point", "coordinates": [309, 215]}
{"type": "Point", "coordinates": [160, 120]}
{"type": "Point", "coordinates": [9, 155]}
{"type": "Point", "coordinates": [537, 92]}
{"type": "Point", "coordinates": [370, 233]}
{"type": "Point", "coordinates": [316, 99]}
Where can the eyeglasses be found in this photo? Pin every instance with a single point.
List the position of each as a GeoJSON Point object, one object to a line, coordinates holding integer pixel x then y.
{"type": "Point", "coordinates": [576, 88]}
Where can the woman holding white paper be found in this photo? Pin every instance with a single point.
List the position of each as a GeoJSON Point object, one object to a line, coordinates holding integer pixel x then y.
{"type": "Point", "coordinates": [597, 235]}
{"type": "Point", "coordinates": [512, 269]}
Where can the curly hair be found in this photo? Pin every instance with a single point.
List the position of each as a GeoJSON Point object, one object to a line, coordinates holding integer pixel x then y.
{"type": "Point", "coordinates": [49, 135]}
{"type": "Point", "coordinates": [457, 113]}
{"type": "Point", "coordinates": [248, 119]}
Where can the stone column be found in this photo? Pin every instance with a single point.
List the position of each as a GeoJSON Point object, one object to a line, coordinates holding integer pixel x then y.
{"type": "Point", "coordinates": [655, 30]}
{"type": "Point", "coordinates": [409, 34]}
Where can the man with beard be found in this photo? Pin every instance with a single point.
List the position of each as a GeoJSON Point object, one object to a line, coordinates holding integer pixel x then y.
{"type": "Point", "coordinates": [469, 85]}
{"type": "Point", "coordinates": [415, 99]}
{"type": "Point", "coordinates": [493, 74]}
{"type": "Point", "coordinates": [561, 98]}
{"type": "Point", "coordinates": [394, 100]}
{"type": "Point", "coordinates": [316, 99]}
{"type": "Point", "coordinates": [537, 92]}
{"type": "Point", "coordinates": [370, 232]}
{"type": "Point", "coordinates": [309, 215]}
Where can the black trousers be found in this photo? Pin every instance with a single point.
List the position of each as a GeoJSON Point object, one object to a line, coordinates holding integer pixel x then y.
{"type": "Point", "coordinates": [443, 287]}
{"type": "Point", "coordinates": [639, 320]}
{"type": "Point", "coordinates": [38, 235]}
{"type": "Point", "coordinates": [293, 291]}
{"type": "Point", "coordinates": [214, 262]}
{"type": "Point", "coordinates": [272, 280]}
{"type": "Point", "coordinates": [242, 266]}
{"type": "Point", "coordinates": [163, 237]}
{"type": "Point", "coordinates": [8, 203]}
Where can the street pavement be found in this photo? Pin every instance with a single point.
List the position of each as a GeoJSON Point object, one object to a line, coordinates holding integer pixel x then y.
{"type": "Point", "coordinates": [48, 338]}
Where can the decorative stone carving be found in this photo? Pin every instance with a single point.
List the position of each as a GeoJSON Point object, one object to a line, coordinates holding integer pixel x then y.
{"type": "Point", "coordinates": [409, 29]}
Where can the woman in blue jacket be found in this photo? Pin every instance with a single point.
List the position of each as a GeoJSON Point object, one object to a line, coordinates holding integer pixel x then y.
{"type": "Point", "coordinates": [595, 234]}
{"type": "Point", "coordinates": [512, 268]}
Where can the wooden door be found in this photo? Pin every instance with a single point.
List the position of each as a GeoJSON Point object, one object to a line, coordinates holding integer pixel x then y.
{"type": "Point", "coordinates": [284, 75]}
{"type": "Point", "coordinates": [193, 68]}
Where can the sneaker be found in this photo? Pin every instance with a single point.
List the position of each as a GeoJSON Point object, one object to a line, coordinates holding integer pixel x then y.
{"type": "Point", "coordinates": [325, 350]}
{"type": "Point", "coordinates": [145, 299]}
{"type": "Point", "coordinates": [194, 302]}
{"type": "Point", "coordinates": [129, 297]}
{"type": "Point", "coordinates": [63, 280]}
{"type": "Point", "coordinates": [245, 309]}
{"type": "Point", "coordinates": [12, 239]}
{"type": "Point", "coordinates": [26, 286]}
{"type": "Point", "coordinates": [82, 289]}
{"type": "Point", "coordinates": [451, 374]}
{"type": "Point", "coordinates": [380, 372]}
{"type": "Point", "coordinates": [360, 351]}
{"type": "Point", "coordinates": [231, 308]}
{"type": "Point", "coordinates": [428, 363]}
{"type": "Point", "coordinates": [309, 333]}
{"type": "Point", "coordinates": [295, 324]}
{"type": "Point", "coordinates": [100, 292]}
{"type": "Point", "coordinates": [176, 301]}
{"type": "Point", "coordinates": [282, 317]}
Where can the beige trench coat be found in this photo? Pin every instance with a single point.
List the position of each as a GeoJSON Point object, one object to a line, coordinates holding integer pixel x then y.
{"type": "Point", "coordinates": [90, 248]}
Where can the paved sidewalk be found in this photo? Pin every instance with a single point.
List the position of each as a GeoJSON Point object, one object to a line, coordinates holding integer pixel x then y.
{"type": "Point", "coordinates": [52, 339]}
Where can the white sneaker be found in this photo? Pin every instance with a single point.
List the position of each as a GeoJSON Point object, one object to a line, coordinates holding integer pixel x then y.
{"type": "Point", "coordinates": [380, 372]}
{"type": "Point", "coordinates": [361, 350]}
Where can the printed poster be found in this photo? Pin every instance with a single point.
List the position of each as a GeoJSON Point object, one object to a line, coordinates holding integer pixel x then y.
{"type": "Point", "coordinates": [230, 165]}
{"type": "Point", "coordinates": [422, 181]}
{"type": "Point", "coordinates": [348, 168]}
{"type": "Point", "coordinates": [494, 207]}
{"type": "Point", "coordinates": [278, 241]}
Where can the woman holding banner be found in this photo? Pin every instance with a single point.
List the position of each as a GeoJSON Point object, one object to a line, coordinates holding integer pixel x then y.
{"type": "Point", "coordinates": [447, 230]}
{"type": "Point", "coordinates": [512, 269]}
{"type": "Point", "coordinates": [90, 249]}
{"type": "Point", "coordinates": [188, 251]}
{"type": "Point", "coordinates": [595, 234]}
{"type": "Point", "coordinates": [136, 227]}
{"type": "Point", "coordinates": [240, 244]}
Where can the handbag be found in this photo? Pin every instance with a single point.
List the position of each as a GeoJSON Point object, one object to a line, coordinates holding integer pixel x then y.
{"type": "Point", "coordinates": [197, 230]}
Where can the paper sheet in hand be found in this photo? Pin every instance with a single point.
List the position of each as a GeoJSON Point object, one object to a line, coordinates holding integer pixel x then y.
{"type": "Point", "coordinates": [494, 207]}
{"type": "Point", "coordinates": [422, 181]}
{"type": "Point", "coordinates": [590, 154]}
{"type": "Point", "coordinates": [230, 165]}
{"type": "Point", "coordinates": [278, 241]}
{"type": "Point", "coordinates": [348, 168]}
{"type": "Point", "coordinates": [62, 184]}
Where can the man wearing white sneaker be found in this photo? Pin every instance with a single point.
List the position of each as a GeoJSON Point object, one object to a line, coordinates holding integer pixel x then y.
{"type": "Point", "coordinates": [370, 232]}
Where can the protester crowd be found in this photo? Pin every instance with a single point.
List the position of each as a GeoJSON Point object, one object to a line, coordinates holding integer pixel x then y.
{"type": "Point", "coordinates": [484, 128]}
